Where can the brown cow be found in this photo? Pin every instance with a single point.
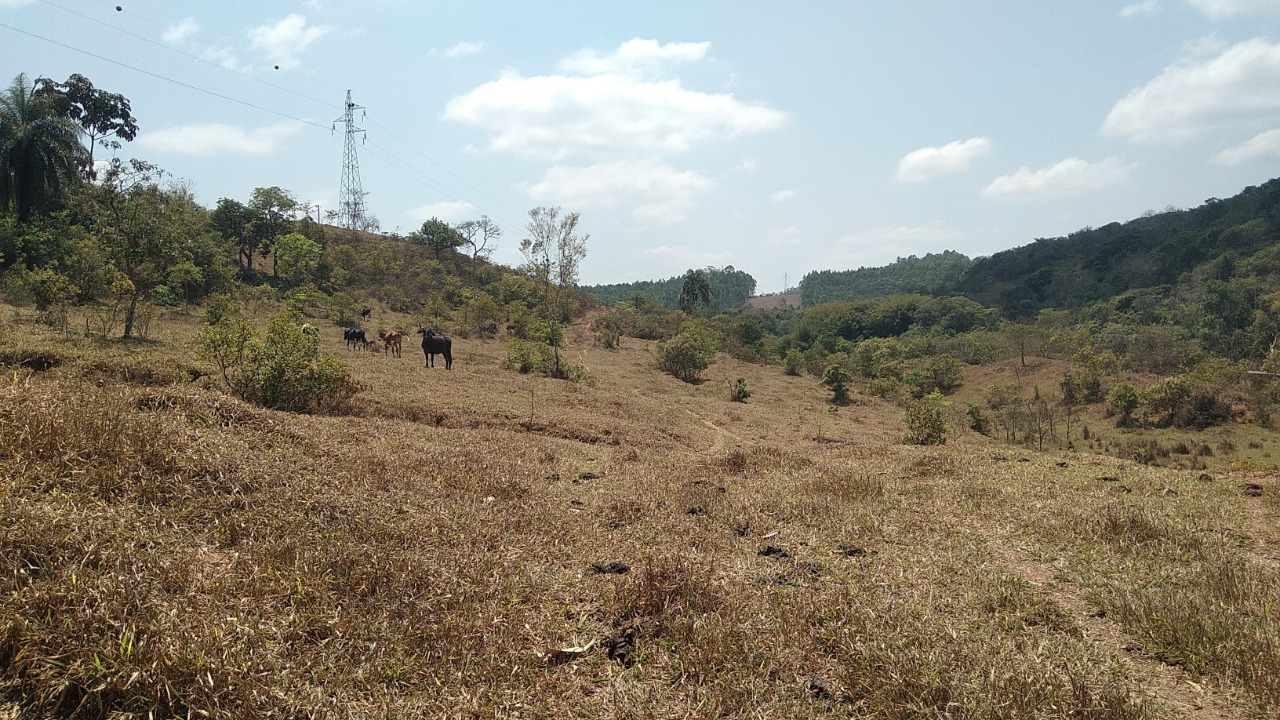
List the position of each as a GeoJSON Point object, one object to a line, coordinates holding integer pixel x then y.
{"type": "Point", "coordinates": [391, 341]}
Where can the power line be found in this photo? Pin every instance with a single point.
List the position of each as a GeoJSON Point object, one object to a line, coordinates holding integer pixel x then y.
{"type": "Point", "coordinates": [162, 77]}
{"type": "Point", "coordinates": [197, 58]}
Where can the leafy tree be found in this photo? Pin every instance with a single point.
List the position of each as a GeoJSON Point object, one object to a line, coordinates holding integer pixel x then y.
{"type": "Point", "coordinates": [695, 291]}
{"type": "Point", "coordinates": [296, 256]}
{"type": "Point", "coordinates": [438, 235]}
{"type": "Point", "coordinates": [273, 210]}
{"type": "Point", "coordinates": [99, 113]}
{"type": "Point", "coordinates": [552, 252]}
{"type": "Point", "coordinates": [234, 221]}
{"type": "Point", "coordinates": [148, 231]}
{"type": "Point", "coordinates": [1123, 399]}
{"type": "Point", "coordinates": [40, 151]}
{"type": "Point", "coordinates": [837, 377]}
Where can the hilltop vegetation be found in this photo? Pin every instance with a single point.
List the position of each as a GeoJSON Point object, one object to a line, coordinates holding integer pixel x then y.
{"type": "Point", "coordinates": [893, 504]}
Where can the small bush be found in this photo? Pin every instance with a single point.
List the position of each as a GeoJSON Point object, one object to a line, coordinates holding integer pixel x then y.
{"type": "Point", "coordinates": [686, 355]}
{"type": "Point", "coordinates": [979, 421]}
{"type": "Point", "coordinates": [793, 363]}
{"type": "Point", "coordinates": [283, 371]}
{"type": "Point", "coordinates": [738, 391]}
{"type": "Point", "coordinates": [927, 420]}
{"type": "Point", "coordinates": [837, 378]}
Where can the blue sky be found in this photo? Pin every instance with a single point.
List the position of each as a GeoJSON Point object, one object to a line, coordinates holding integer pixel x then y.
{"type": "Point", "coordinates": [779, 140]}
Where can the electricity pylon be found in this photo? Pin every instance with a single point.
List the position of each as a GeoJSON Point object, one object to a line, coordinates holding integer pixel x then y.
{"type": "Point", "coordinates": [350, 194]}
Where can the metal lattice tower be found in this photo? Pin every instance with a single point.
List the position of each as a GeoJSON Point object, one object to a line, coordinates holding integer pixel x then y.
{"type": "Point", "coordinates": [350, 194]}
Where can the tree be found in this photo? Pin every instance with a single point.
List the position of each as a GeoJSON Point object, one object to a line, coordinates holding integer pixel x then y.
{"type": "Point", "coordinates": [296, 256]}
{"type": "Point", "coordinates": [99, 113]}
{"type": "Point", "coordinates": [552, 253]}
{"type": "Point", "coordinates": [837, 378]}
{"type": "Point", "coordinates": [146, 231]}
{"type": "Point", "coordinates": [478, 234]}
{"type": "Point", "coordinates": [438, 235]}
{"type": "Point", "coordinates": [687, 354]}
{"type": "Point", "coordinates": [695, 291]}
{"type": "Point", "coordinates": [40, 151]}
{"type": "Point", "coordinates": [273, 210]}
{"type": "Point", "coordinates": [234, 221]}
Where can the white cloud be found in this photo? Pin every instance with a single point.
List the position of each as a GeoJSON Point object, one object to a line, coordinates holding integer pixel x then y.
{"type": "Point", "coordinates": [556, 116]}
{"type": "Point", "coordinates": [1238, 88]}
{"type": "Point", "coordinates": [655, 192]}
{"type": "Point", "coordinates": [690, 257]}
{"type": "Point", "coordinates": [1068, 177]}
{"type": "Point", "coordinates": [1263, 146]}
{"type": "Point", "coordinates": [217, 138]}
{"type": "Point", "coordinates": [929, 162]}
{"type": "Point", "coordinates": [178, 33]}
{"type": "Point", "coordinates": [226, 57]}
{"type": "Point", "coordinates": [782, 196]}
{"type": "Point", "coordinates": [287, 39]}
{"type": "Point", "coordinates": [745, 166]}
{"type": "Point", "coordinates": [13, 4]}
{"type": "Point", "coordinates": [1145, 7]}
{"type": "Point", "coordinates": [634, 57]}
{"type": "Point", "coordinates": [452, 211]}
{"type": "Point", "coordinates": [460, 50]}
{"type": "Point", "coordinates": [1227, 8]}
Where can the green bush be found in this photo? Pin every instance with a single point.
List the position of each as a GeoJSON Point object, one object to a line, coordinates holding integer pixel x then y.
{"type": "Point", "coordinates": [282, 371]}
{"type": "Point", "coordinates": [1123, 400]}
{"type": "Point", "coordinates": [927, 420]}
{"type": "Point", "coordinates": [979, 421]}
{"type": "Point", "coordinates": [687, 354]}
{"type": "Point", "coordinates": [837, 378]}
{"type": "Point", "coordinates": [738, 391]}
{"type": "Point", "coordinates": [527, 356]}
{"type": "Point", "coordinates": [793, 362]}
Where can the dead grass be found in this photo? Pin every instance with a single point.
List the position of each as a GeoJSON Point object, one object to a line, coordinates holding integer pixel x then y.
{"type": "Point", "coordinates": [168, 549]}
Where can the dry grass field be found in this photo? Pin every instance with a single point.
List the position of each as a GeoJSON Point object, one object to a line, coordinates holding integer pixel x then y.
{"type": "Point", "coordinates": [454, 546]}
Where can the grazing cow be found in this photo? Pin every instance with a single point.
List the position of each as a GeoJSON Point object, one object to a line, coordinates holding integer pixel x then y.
{"type": "Point", "coordinates": [354, 337]}
{"type": "Point", "coordinates": [391, 340]}
{"type": "Point", "coordinates": [432, 344]}
{"type": "Point", "coordinates": [365, 313]}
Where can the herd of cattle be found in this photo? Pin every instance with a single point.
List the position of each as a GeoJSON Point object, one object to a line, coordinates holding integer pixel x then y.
{"type": "Point", "coordinates": [390, 342]}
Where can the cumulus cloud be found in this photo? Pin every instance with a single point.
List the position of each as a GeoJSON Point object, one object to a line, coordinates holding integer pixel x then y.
{"type": "Point", "coordinates": [655, 192]}
{"type": "Point", "coordinates": [218, 138]}
{"type": "Point", "coordinates": [929, 162]}
{"type": "Point", "coordinates": [1238, 88]}
{"type": "Point", "coordinates": [1072, 176]}
{"type": "Point", "coordinates": [634, 57]}
{"type": "Point", "coordinates": [226, 57]}
{"type": "Point", "coordinates": [460, 50]}
{"type": "Point", "coordinates": [450, 211]}
{"type": "Point", "coordinates": [1146, 7]}
{"type": "Point", "coordinates": [556, 116]}
{"type": "Point", "coordinates": [1228, 8]}
{"type": "Point", "coordinates": [178, 33]}
{"type": "Point", "coordinates": [782, 196]}
{"type": "Point", "coordinates": [284, 41]}
{"type": "Point", "coordinates": [1263, 146]}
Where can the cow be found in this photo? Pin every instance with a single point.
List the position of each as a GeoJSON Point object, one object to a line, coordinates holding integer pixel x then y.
{"type": "Point", "coordinates": [354, 337]}
{"type": "Point", "coordinates": [391, 340]}
{"type": "Point", "coordinates": [433, 344]}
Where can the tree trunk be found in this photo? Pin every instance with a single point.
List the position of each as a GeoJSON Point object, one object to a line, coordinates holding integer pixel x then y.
{"type": "Point", "coordinates": [130, 315]}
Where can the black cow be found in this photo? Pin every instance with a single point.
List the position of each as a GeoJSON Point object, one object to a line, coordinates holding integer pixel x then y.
{"type": "Point", "coordinates": [354, 337]}
{"type": "Point", "coordinates": [432, 344]}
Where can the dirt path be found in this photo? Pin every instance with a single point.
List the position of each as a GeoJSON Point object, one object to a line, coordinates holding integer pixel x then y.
{"type": "Point", "coordinates": [718, 444]}
{"type": "Point", "coordinates": [1260, 526]}
{"type": "Point", "coordinates": [1170, 686]}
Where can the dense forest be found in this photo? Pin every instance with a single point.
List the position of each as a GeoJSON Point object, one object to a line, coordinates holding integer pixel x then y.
{"type": "Point", "coordinates": [933, 274]}
{"type": "Point", "coordinates": [730, 288]}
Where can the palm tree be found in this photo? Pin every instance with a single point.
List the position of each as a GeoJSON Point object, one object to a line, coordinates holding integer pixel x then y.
{"type": "Point", "coordinates": [40, 151]}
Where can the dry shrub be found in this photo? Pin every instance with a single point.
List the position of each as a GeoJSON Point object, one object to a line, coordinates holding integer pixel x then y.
{"type": "Point", "coordinates": [668, 588]}
{"type": "Point", "coordinates": [38, 360]}
{"type": "Point", "coordinates": [1129, 527]}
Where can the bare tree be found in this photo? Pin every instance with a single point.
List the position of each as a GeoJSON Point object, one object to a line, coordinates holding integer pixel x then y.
{"type": "Point", "coordinates": [552, 252]}
{"type": "Point", "coordinates": [478, 234]}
